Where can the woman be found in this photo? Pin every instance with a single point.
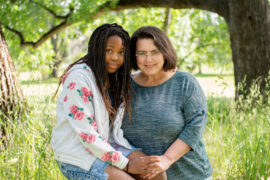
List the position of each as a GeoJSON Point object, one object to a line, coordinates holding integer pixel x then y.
{"type": "Point", "coordinates": [87, 140]}
{"type": "Point", "coordinates": [169, 110]}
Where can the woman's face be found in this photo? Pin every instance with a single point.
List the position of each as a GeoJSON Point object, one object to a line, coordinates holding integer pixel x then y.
{"type": "Point", "coordinates": [149, 59]}
{"type": "Point", "coordinates": [114, 54]}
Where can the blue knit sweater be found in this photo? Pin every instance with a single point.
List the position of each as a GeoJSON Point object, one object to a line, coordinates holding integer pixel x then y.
{"type": "Point", "coordinates": [174, 109]}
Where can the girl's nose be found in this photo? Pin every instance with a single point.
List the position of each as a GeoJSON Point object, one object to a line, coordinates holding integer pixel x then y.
{"type": "Point", "coordinates": [115, 56]}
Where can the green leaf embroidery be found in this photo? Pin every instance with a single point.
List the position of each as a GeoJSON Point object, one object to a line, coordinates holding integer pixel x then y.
{"type": "Point", "coordinates": [70, 115]}
{"type": "Point", "coordinates": [90, 120]}
{"type": "Point", "coordinates": [81, 109]}
{"type": "Point", "coordinates": [89, 98]}
{"type": "Point", "coordinates": [80, 92]}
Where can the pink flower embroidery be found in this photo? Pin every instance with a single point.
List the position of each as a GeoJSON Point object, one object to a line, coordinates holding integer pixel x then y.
{"type": "Point", "coordinates": [82, 135]}
{"type": "Point", "coordinates": [84, 90]}
{"type": "Point", "coordinates": [71, 86]}
{"type": "Point", "coordinates": [91, 138]}
{"type": "Point", "coordinates": [86, 94]}
{"type": "Point", "coordinates": [94, 125]}
{"type": "Point", "coordinates": [115, 157]}
{"type": "Point", "coordinates": [73, 109]}
{"type": "Point", "coordinates": [64, 78]}
{"type": "Point", "coordinates": [85, 98]}
{"type": "Point", "coordinates": [90, 93]}
{"type": "Point", "coordinates": [79, 115]}
{"type": "Point", "coordinates": [65, 99]}
{"type": "Point", "coordinates": [106, 156]}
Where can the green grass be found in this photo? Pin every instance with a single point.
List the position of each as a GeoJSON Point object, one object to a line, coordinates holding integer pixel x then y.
{"type": "Point", "coordinates": [237, 141]}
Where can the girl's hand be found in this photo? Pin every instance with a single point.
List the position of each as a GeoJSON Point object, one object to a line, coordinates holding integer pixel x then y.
{"type": "Point", "coordinates": [138, 165]}
{"type": "Point", "coordinates": [162, 164]}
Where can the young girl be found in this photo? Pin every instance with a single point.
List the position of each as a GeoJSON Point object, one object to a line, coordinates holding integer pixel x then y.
{"type": "Point", "coordinates": [87, 140]}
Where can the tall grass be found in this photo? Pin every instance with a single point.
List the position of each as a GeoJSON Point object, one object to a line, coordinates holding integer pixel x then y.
{"type": "Point", "coordinates": [28, 154]}
{"type": "Point", "coordinates": [237, 139]}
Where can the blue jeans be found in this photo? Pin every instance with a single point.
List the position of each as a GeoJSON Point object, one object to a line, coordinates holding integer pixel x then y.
{"type": "Point", "coordinates": [97, 170]}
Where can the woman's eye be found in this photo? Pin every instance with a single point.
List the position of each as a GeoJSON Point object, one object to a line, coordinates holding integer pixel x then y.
{"type": "Point", "coordinates": [122, 52]}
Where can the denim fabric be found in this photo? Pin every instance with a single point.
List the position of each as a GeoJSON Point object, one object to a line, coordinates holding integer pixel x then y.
{"type": "Point", "coordinates": [97, 170]}
{"type": "Point", "coordinates": [175, 109]}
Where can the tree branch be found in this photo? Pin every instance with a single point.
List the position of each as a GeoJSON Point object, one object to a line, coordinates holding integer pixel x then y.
{"type": "Point", "coordinates": [53, 13]}
{"type": "Point", "coordinates": [43, 38]}
{"type": "Point", "coordinates": [55, 29]}
{"type": "Point", "coordinates": [220, 7]}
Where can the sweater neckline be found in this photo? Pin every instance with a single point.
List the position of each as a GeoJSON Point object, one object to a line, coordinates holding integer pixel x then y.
{"type": "Point", "coordinates": [170, 79]}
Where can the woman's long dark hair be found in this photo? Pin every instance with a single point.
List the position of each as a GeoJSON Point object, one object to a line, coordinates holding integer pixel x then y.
{"type": "Point", "coordinates": [95, 59]}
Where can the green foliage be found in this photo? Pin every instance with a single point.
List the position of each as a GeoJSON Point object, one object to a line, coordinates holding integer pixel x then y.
{"type": "Point", "coordinates": [199, 37]}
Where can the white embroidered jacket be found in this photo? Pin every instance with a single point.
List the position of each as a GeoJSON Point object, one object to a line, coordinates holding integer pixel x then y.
{"type": "Point", "coordinates": [82, 130]}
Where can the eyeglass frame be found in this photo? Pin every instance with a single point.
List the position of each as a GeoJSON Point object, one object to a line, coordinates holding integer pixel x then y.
{"type": "Point", "coordinates": [144, 54]}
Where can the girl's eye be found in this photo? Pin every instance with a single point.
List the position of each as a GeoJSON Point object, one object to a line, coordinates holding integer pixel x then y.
{"type": "Point", "coordinates": [108, 51]}
{"type": "Point", "coordinates": [122, 53]}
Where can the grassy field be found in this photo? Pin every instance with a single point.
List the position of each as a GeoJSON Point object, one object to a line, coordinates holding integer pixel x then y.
{"type": "Point", "coordinates": [237, 141]}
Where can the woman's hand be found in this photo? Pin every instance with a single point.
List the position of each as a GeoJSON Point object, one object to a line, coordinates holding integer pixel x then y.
{"type": "Point", "coordinates": [162, 164]}
{"type": "Point", "coordinates": [138, 165]}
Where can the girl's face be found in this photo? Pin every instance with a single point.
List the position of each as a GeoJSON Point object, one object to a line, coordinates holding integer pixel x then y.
{"type": "Point", "coordinates": [149, 59]}
{"type": "Point", "coordinates": [114, 54]}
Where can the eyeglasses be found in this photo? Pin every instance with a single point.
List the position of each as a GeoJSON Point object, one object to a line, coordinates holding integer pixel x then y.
{"type": "Point", "coordinates": [144, 54]}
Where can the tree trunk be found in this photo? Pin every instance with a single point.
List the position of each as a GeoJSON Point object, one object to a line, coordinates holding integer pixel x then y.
{"type": "Point", "coordinates": [250, 42]}
{"type": "Point", "coordinates": [60, 49]}
{"type": "Point", "coordinates": [11, 97]}
{"type": "Point", "coordinates": [167, 20]}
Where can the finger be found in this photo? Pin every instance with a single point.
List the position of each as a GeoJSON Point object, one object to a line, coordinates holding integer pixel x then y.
{"type": "Point", "coordinates": [150, 175]}
{"type": "Point", "coordinates": [151, 159]}
{"type": "Point", "coordinates": [153, 165]}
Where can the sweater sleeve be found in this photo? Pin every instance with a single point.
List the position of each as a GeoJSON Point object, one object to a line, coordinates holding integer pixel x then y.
{"type": "Point", "coordinates": [195, 113]}
{"type": "Point", "coordinates": [77, 99]}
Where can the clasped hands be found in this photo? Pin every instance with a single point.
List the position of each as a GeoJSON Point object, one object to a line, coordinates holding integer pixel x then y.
{"type": "Point", "coordinates": [149, 166]}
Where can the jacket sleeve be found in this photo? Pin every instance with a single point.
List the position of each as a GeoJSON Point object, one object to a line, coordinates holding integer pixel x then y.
{"type": "Point", "coordinates": [77, 99]}
{"type": "Point", "coordinates": [195, 113]}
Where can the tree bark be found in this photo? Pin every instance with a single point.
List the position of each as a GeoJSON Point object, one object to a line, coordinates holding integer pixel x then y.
{"type": "Point", "coordinates": [250, 42]}
{"type": "Point", "coordinates": [11, 96]}
{"type": "Point", "coordinates": [167, 20]}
